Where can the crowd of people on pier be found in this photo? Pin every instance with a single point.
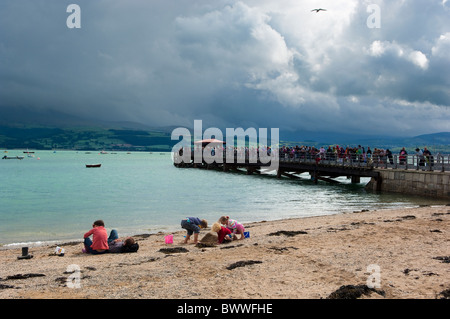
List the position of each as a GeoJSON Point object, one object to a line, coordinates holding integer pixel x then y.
{"type": "Point", "coordinates": [359, 153]}
{"type": "Point", "coordinates": [338, 153]}
{"type": "Point", "coordinates": [332, 153]}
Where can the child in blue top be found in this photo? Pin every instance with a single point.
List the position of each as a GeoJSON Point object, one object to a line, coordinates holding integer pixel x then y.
{"type": "Point", "coordinates": [193, 226]}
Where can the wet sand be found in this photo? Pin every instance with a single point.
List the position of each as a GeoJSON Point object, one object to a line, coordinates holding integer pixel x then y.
{"type": "Point", "coordinates": [401, 253]}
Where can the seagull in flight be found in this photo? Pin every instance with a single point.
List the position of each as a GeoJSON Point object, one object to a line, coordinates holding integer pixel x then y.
{"type": "Point", "coordinates": [317, 10]}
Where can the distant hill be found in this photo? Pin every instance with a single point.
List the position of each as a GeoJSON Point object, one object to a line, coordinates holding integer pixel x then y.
{"type": "Point", "coordinates": [435, 142]}
{"type": "Point", "coordinates": [431, 139]}
{"type": "Point", "coordinates": [84, 138]}
{"type": "Point", "coordinates": [44, 129]}
{"type": "Point", "coordinates": [159, 139]}
{"type": "Point", "coordinates": [27, 128]}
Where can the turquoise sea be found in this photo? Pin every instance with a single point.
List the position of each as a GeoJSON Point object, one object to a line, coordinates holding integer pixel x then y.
{"type": "Point", "coordinates": [53, 197]}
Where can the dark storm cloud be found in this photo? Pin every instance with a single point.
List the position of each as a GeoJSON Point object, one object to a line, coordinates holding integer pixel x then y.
{"type": "Point", "coordinates": [232, 63]}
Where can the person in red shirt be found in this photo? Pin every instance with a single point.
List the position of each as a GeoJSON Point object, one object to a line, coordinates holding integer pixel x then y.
{"type": "Point", "coordinates": [99, 242]}
{"type": "Point", "coordinates": [223, 233]}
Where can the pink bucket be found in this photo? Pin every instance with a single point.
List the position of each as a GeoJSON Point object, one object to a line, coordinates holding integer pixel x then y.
{"type": "Point", "coordinates": [168, 239]}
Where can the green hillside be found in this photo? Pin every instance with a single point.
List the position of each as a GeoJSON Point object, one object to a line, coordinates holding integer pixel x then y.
{"type": "Point", "coordinates": [126, 139]}
{"type": "Point", "coordinates": [87, 138]}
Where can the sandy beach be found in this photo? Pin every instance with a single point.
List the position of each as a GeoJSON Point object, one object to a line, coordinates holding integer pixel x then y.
{"type": "Point", "coordinates": [401, 253]}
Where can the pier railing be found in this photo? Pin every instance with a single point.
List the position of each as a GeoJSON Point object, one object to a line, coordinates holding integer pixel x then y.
{"type": "Point", "coordinates": [417, 162]}
{"type": "Point", "coordinates": [407, 162]}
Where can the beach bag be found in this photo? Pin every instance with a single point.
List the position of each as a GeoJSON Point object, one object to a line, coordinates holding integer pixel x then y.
{"type": "Point", "coordinates": [130, 249]}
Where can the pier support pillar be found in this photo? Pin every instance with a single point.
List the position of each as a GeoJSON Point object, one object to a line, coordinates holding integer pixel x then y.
{"type": "Point", "coordinates": [253, 170]}
{"type": "Point", "coordinates": [379, 180]}
{"type": "Point", "coordinates": [356, 179]}
{"type": "Point", "coordinates": [314, 176]}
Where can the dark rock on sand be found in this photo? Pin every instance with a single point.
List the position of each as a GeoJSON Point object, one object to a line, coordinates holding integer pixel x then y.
{"type": "Point", "coordinates": [282, 249]}
{"type": "Point", "coordinates": [353, 292]}
{"type": "Point", "coordinates": [407, 271]}
{"type": "Point", "coordinates": [7, 287]}
{"type": "Point", "coordinates": [288, 233]}
{"type": "Point", "coordinates": [173, 250]}
{"type": "Point", "coordinates": [243, 263]}
{"type": "Point", "coordinates": [232, 246]}
{"type": "Point", "coordinates": [203, 245]}
{"type": "Point", "coordinates": [61, 281]}
{"type": "Point", "coordinates": [444, 259]}
{"type": "Point", "coordinates": [25, 276]}
{"type": "Point", "coordinates": [90, 268]}
{"type": "Point", "coordinates": [445, 294]}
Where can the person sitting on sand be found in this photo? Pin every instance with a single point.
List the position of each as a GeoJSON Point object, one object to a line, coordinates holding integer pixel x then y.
{"type": "Point", "coordinates": [117, 245]}
{"type": "Point", "coordinates": [223, 234]}
{"type": "Point", "coordinates": [99, 242]}
{"type": "Point", "coordinates": [233, 225]}
{"type": "Point", "coordinates": [193, 226]}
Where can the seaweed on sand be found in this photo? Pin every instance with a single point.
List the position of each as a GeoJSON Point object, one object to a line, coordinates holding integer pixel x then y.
{"type": "Point", "coordinates": [289, 233]}
{"type": "Point", "coordinates": [173, 250]}
{"type": "Point", "coordinates": [353, 292]}
{"type": "Point", "coordinates": [243, 263]}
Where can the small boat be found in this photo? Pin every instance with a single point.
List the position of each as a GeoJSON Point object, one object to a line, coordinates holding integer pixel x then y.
{"type": "Point", "coordinates": [30, 154]}
{"type": "Point", "coordinates": [13, 157]}
{"type": "Point", "coordinates": [93, 165]}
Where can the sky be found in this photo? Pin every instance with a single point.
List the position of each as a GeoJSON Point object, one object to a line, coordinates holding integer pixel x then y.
{"type": "Point", "coordinates": [360, 67]}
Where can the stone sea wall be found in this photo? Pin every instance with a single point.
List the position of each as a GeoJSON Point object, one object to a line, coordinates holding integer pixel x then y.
{"type": "Point", "coordinates": [414, 182]}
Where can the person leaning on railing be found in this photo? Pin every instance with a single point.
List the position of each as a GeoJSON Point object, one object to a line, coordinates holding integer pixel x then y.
{"type": "Point", "coordinates": [402, 156]}
{"type": "Point", "coordinates": [428, 157]}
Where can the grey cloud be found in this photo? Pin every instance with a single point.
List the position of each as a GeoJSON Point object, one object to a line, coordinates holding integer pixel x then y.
{"type": "Point", "coordinates": [232, 63]}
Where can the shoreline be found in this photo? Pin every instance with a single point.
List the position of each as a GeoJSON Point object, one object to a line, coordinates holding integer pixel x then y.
{"type": "Point", "coordinates": [168, 230]}
{"type": "Point", "coordinates": [306, 258]}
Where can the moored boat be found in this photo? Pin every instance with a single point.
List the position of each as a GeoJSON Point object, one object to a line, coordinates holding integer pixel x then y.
{"type": "Point", "coordinates": [93, 165]}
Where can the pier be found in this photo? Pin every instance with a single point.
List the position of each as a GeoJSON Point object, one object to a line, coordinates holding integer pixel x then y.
{"type": "Point", "coordinates": [408, 174]}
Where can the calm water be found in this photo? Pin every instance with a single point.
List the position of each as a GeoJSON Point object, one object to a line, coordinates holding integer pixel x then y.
{"type": "Point", "coordinates": [53, 196]}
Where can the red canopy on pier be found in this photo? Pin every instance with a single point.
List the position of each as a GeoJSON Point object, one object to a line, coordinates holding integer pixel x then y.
{"type": "Point", "coordinates": [210, 141]}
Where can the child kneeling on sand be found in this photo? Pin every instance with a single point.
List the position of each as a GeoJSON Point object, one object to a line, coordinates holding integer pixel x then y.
{"type": "Point", "coordinates": [233, 225]}
{"type": "Point", "coordinates": [193, 226]}
{"type": "Point", "coordinates": [223, 234]}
